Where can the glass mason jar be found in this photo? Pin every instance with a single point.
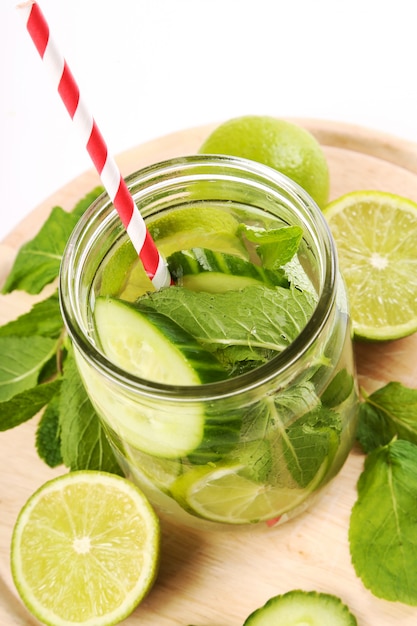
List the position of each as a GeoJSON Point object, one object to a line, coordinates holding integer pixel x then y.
{"type": "Point", "coordinates": [266, 441]}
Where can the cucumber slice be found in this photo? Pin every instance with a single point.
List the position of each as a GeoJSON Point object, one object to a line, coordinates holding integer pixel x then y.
{"type": "Point", "coordinates": [299, 608]}
{"type": "Point", "coordinates": [201, 269]}
{"type": "Point", "coordinates": [221, 434]}
{"type": "Point", "coordinates": [150, 345]}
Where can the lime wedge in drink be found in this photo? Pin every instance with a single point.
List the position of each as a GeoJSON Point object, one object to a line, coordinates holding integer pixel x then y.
{"type": "Point", "coordinates": [124, 275]}
{"type": "Point", "coordinates": [194, 226]}
{"type": "Point", "coordinates": [154, 471]}
{"type": "Point", "coordinates": [85, 549]}
{"type": "Point", "coordinates": [225, 494]}
{"type": "Point", "coordinates": [376, 234]}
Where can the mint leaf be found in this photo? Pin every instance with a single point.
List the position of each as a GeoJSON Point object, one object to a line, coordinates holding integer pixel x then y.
{"type": "Point", "coordinates": [275, 247]}
{"type": "Point", "coordinates": [297, 400]}
{"type": "Point", "coordinates": [48, 438]}
{"type": "Point", "coordinates": [37, 262]}
{"type": "Point", "coordinates": [383, 523]}
{"type": "Point", "coordinates": [311, 439]}
{"type": "Point", "coordinates": [387, 413]}
{"type": "Point", "coordinates": [257, 459]}
{"type": "Point", "coordinates": [22, 406]}
{"type": "Point", "coordinates": [289, 423]}
{"type": "Point", "coordinates": [22, 361]}
{"type": "Point", "coordinates": [339, 389]}
{"type": "Point", "coordinates": [83, 204]}
{"type": "Point", "coordinates": [83, 442]}
{"type": "Point", "coordinates": [44, 319]}
{"type": "Point", "coordinates": [264, 419]}
{"type": "Point", "coordinates": [249, 325]}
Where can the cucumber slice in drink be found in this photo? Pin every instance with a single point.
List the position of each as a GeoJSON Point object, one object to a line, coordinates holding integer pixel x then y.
{"type": "Point", "coordinates": [150, 345]}
{"type": "Point", "coordinates": [299, 608]}
{"type": "Point", "coordinates": [201, 269]}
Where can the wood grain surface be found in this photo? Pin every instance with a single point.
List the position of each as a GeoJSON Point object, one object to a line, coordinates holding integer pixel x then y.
{"type": "Point", "coordinates": [218, 578]}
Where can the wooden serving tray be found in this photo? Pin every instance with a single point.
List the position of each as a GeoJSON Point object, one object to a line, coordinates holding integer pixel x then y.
{"type": "Point", "coordinates": [214, 578]}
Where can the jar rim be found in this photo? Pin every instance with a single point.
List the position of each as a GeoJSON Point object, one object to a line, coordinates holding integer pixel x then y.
{"type": "Point", "coordinates": [280, 364]}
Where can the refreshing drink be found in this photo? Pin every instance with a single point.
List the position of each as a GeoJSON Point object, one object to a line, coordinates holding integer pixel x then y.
{"type": "Point", "coordinates": [229, 397]}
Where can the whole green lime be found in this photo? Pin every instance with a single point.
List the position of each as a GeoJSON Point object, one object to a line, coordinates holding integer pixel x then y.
{"type": "Point", "coordinates": [283, 145]}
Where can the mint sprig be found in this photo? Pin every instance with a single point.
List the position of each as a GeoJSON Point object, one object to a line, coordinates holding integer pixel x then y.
{"type": "Point", "coordinates": [387, 413]}
{"type": "Point", "coordinates": [43, 320]}
{"type": "Point", "coordinates": [36, 369]}
{"type": "Point", "coordinates": [26, 404]}
{"type": "Point", "coordinates": [309, 441]}
{"type": "Point", "coordinates": [37, 262]}
{"type": "Point", "coordinates": [275, 247]}
{"type": "Point", "coordinates": [383, 523]}
{"type": "Point", "coordinates": [83, 442]}
{"type": "Point", "coordinates": [236, 326]}
{"type": "Point", "coordinates": [22, 362]}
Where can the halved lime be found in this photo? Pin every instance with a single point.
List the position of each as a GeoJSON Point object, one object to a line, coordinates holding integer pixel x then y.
{"type": "Point", "coordinates": [376, 234]}
{"type": "Point", "coordinates": [225, 494]}
{"type": "Point", "coordinates": [85, 549]}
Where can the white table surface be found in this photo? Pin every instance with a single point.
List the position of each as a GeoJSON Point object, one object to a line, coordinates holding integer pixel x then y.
{"type": "Point", "coordinates": [152, 67]}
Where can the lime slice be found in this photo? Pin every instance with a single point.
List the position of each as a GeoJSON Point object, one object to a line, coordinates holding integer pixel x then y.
{"type": "Point", "coordinates": [160, 472]}
{"type": "Point", "coordinates": [194, 226]}
{"type": "Point", "coordinates": [124, 275]}
{"type": "Point", "coordinates": [376, 234]}
{"type": "Point", "coordinates": [85, 549]}
{"type": "Point", "coordinates": [225, 494]}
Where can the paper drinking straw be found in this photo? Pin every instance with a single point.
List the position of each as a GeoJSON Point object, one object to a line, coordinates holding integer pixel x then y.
{"type": "Point", "coordinates": [112, 180]}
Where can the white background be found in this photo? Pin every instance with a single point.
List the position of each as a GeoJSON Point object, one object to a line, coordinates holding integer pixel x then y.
{"type": "Point", "coordinates": [152, 67]}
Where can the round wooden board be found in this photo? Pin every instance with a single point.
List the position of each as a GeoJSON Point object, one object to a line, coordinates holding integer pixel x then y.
{"type": "Point", "coordinates": [212, 578]}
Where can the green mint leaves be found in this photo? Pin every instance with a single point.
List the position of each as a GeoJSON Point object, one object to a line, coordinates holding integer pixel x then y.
{"type": "Point", "coordinates": [311, 440]}
{"type": "Point", "coordinates": [83, 442]}
{"type": "Point", "coordinates": [383, 524]}
{"type": "Point", "coordinates": [236, 326]}
{"type": "Point", "coordinates": [22, 362]}
{"type": "Point", "coordinates": [275, 247]}
{"type": "Point", "coordinates": [38, 261]}
{"type": "Point", "coordinates": [387, 413]}
{"type": "Point", "coordinates": [36, 369]}
{"type": "Point", "coordinates": [44, 320]}
{"type": "Point", "coordinates": [22, 406]}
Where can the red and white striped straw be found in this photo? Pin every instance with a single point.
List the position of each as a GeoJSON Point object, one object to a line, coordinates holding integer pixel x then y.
{"type": "Point", "coordinates": [112, 180]}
